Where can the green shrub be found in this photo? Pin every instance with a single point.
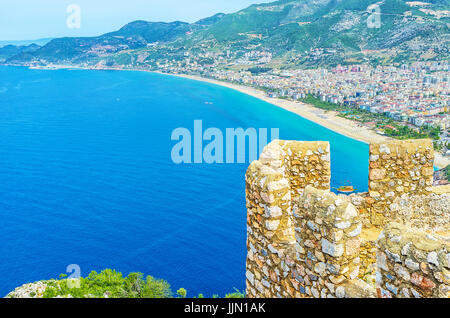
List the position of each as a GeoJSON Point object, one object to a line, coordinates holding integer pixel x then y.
{"type": "Point", "coordinates": [111, 284]}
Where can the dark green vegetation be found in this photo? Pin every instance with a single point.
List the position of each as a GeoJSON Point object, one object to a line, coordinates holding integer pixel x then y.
{"type": "Point", "coordinates": [290, 29]}
{"type": "Point", "coordinates": [310, 99]}
{"type": "Point", "coordinates": [405, 132]}
{"type": "Point", "coordinates": [259, 70]}
{"type": "Point", "coordinates": [112, 284]}
{"type": "Point", "coordinates": [9, 51]}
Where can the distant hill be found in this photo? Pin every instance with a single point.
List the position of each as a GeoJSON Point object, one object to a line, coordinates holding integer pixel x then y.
{"type": "Point", "coordinates": [26, 42]}
{"type": "Point", "coordinates": [408, 30]}
{"type": "Point", "coordinates": [149, 32]}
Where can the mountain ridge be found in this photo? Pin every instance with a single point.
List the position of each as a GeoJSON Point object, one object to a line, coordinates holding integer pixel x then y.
{"type": "Point", "coordinates": [283, 27]}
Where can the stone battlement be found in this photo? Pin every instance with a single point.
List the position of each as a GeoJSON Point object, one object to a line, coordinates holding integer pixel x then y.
{"type": "Point", "coordinates": [305, 241]}
{"type": "Point", "coordinates": [397, 168]}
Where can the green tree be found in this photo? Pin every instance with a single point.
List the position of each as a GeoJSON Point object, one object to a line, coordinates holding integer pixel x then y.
{"type": "Point", "coordinates": [182, 292]}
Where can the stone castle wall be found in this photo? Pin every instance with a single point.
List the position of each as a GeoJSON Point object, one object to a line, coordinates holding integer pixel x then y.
{"type": "Point", "coordinates": [305, 241]}
{"type": "Point", "coordinates": [327, 228]}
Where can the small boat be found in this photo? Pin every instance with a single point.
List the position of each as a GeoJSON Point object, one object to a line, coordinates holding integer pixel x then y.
{"type": "Point", "coordinates": [346, 189]}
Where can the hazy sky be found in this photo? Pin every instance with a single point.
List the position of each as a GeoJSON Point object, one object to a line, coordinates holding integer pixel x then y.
{"type": "Point", "coordinates": [34, 19]}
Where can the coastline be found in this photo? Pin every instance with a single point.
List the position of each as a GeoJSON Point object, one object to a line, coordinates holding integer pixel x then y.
{"type": "Point", "coordinates": [327, 119]}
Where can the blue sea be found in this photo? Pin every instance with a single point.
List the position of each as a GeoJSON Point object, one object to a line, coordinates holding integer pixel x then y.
{"type": "Point", "coordinates": [86, 177]}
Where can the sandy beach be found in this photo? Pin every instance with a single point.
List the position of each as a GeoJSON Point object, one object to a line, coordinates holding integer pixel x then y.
{"type": "Point", "coordinates": [328, 119]}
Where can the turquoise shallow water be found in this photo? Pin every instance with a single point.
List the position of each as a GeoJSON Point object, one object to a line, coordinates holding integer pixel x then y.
{"type": "Point", "coordinates": [86, 177]}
